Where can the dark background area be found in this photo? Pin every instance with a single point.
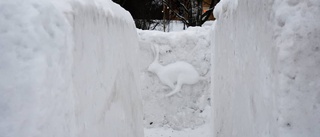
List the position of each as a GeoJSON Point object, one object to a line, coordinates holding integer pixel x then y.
{"type": "Point", "coordinates": [142, 9]}
{"type": "Point", "coordinates": [147, 14]}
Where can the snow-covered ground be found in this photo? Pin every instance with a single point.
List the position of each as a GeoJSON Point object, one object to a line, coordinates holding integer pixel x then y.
{"type": "Point", "coordinates": [266, 62]}
{"type": "Point", "coordinates": [204, 130]}
{"type": "Point", "coordinates": [186, 113]}
{"type": "Point", "coordinates": [65, 70]}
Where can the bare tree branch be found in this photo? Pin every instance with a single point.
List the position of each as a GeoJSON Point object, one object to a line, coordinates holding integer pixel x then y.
{"type": "Point", "coordinates": [123, 2]}
{"type": "Point", "coordinates": [184, 6]}
{"type": "Point", "coordinates": [194, 15]}
{"type": "Point", "coordinates": [184, 20]}
{"type": "Point", "coordinates": [206, 15]}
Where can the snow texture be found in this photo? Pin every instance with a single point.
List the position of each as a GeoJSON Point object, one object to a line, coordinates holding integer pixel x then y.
{"type": "Point", "coordinates": [266, 68]}
{"type": "Point", "coordinates": [182, 111]}
{"type": "Point", "coordinates": [204, 130]}
{"type": "Point", "coordinates": [66, 70]}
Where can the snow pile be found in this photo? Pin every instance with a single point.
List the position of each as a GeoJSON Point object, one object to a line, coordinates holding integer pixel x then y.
{"type": "Point", "coordinates": [266, 68]}
{"type": "Point", "coordinates": [66, 70]}
{"type": "Point", "coordinates": [184, 109]}
{"type": "Point", "coordinates": [297, 36]}
{"type": "Point", "coordinates": [225, 8]}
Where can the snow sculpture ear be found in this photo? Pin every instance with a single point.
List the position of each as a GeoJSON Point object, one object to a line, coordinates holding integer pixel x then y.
{"type": "Point", "coordinates": [152, 49]}
{"type": "Point", "coordinates": [156, 47]}
{"type": "Point", "coordinates": [155, 51]}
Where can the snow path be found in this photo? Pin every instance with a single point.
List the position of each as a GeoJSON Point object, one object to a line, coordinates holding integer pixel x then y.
{"type": "Point", "coordinates": [204, 130]}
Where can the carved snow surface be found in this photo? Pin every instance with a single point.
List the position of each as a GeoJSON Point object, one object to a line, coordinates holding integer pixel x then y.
{"type": "Point", "coordinates": [184, 110]}
{"type": "Point", "coordinates": [179, 72]}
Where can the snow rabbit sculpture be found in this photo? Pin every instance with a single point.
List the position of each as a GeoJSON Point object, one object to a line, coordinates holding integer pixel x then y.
{"type": "Point", "coordinates": [179, 72]}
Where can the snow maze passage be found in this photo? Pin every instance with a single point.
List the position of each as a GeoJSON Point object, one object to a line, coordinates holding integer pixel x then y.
{"type": "Point", "coordinates": [79, 68]}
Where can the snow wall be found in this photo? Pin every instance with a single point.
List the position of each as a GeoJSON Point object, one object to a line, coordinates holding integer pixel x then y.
{"type": "Point", "coordinates": [68, 69]}
{"type": "Point", "coordinates": [266, 72]}
{"type": "Point", "coordinates": [186, 109]}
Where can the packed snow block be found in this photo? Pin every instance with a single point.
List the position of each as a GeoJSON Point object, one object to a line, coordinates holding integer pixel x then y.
{"type": "Point", "coordinates": [68, 69]}
{"type": "Point", "coordinates": [187, 108]}
{"type": "Point", "coordinates": [266, 75]}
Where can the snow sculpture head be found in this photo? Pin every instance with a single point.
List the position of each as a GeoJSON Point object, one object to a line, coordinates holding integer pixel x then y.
{"type": "Point", "coordinates": [155, 65]}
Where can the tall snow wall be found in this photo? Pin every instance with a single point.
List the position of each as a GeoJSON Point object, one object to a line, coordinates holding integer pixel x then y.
{"type": "Point", "coordinates": [266, 76]}
{"type": "Point", "coordinates": [68, 69]}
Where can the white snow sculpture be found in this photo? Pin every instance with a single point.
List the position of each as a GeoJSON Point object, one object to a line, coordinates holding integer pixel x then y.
{"type": "Point", "coordinates": [179, 72]}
